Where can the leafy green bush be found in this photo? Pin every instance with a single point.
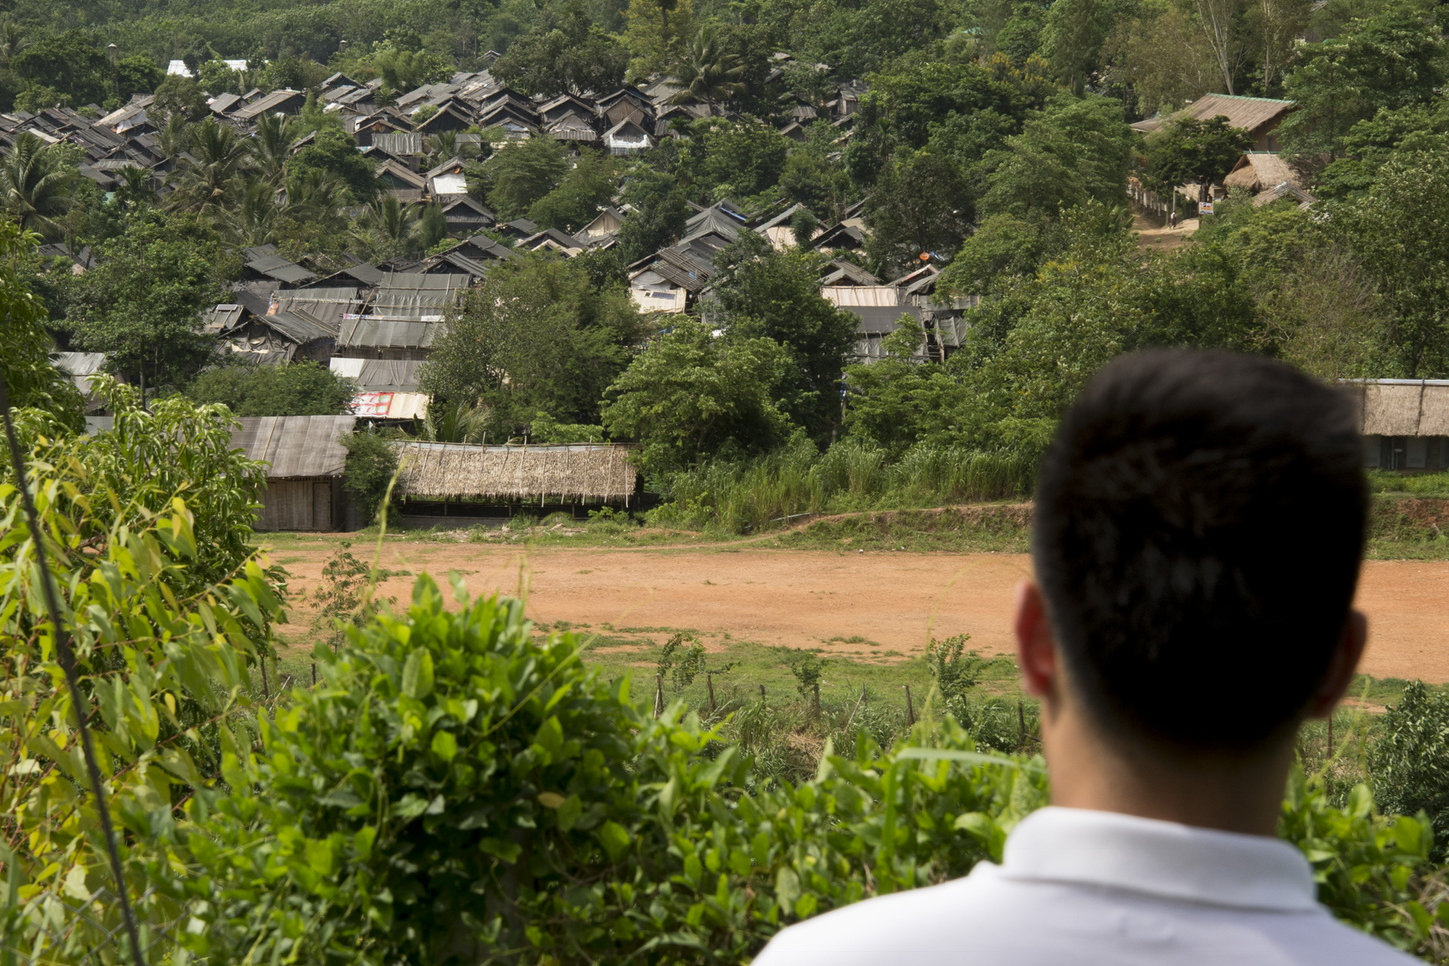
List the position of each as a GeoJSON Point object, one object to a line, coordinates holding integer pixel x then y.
{"type": "Point", "coordinates": [1409, 764]}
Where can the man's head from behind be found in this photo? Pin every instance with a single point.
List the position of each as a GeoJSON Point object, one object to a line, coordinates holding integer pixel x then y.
{"type": "Point", "coordinates": [1198, 529]}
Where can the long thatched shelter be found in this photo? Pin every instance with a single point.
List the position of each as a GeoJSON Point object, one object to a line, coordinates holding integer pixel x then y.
{"type": "Point", "coordinates": [458, 473]}
{"type": "Point", "coordinates": [1405, 422]}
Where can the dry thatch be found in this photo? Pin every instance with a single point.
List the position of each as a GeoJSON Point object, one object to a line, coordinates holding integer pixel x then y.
{"type": "Point", "coordinates": [1407, 407]}
{"type": "Point", "coordinates": [545, 474]}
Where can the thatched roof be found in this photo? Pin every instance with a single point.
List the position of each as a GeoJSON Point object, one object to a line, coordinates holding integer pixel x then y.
{"type": "Point", "coordinates": [561, 474]}
{"type": "Point", "coordinates": [1259, 170]}
{"type": "Point", "coordinates": [1403, 407]}
{"type": "Point", "coordinates": [1250, 113]}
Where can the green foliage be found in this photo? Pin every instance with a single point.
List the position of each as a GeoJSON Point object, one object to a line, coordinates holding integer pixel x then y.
{"type": "Point", "coordinates": [689, 394]}
{"type": "Point", "coordinates": [178, 96]}
{"type": "Point", "coordinates": [776, 295]}
{"type": "Point", "coordinates": [1409, 764]}
{"type": "Point", "coordinates": [30, 379]}
{"type": "Point", "coordinates": [142, 302]}
{"type": "Point", "coordinates": [345, 596]}
{"type": "Point", "coordinates": [335, 154]}
{"type": "Point", "coordinates": [536, 335]}
{"type": "Point", "coordinates": [545, 429]}
{"type": "Point", "coordinates": [851, 475]}
{"type": "Point", "coordinates": [1190, 150]}
{"type": "Point", "coordinates": [1394, 229]}
{"type": "Point", "coordinates": [523, 172]}
{"type": "Point", "coordinates": [578, 197]}
{"type": "Point", "coordinates": [563, 55]}
{"type": "Point", "coordinates": [294, 389]}
{"type": "Point", "coordinates": [683, 657]}
{"type": "Point", "coordinates": [371, 467]}
{"type": "Point", "coordinates": [36, 182]}
{"type": "Point", "coordinates": [1389, 61]}
{"type": "Point", "coordinates": [921, 204]}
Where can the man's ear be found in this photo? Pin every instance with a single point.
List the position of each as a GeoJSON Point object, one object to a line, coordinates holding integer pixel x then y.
{"type": "Point", "coordinates": [1036, 649]}
{"type": "Point", "coordinates": [1341, 667]}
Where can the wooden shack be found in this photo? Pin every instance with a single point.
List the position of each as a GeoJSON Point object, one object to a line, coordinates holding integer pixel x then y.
{"type": "Point", "coordinates": [1405, 423]}
{"type": "Point", "coordinates": [304, 477]}
{"type": "Point", "coordinates": [456, 479]}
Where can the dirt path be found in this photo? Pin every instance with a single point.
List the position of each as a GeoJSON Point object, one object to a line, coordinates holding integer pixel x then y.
{"type": "Point", "coordinates": [1157, 239]}
{"type": "Point", "coordinates": [871, 603]}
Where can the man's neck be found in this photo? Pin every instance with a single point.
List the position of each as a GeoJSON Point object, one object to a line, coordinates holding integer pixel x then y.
{"type": "Point", "coordinates": [1227, 793]}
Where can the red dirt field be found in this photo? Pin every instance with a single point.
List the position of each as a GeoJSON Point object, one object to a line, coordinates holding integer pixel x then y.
{"type": "Point", "coordinates": [895, 601]}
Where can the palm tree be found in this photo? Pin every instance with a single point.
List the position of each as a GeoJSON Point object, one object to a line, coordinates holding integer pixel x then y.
{"type": "Point", "coordinates": [174, 136]}
{"type": "Point", "coordinates": [456, 422]}
{"type": "Point", "coordinates": [256, 218]}
{"type": "Point", "coordinates": [708, 72]}
{"type": "Point", "coordinates": [317, 197]}
{"type": "Point", "coordinates": [207, 177]}
{"type": "Point", "coordinates": [388, 228]}
{"type": "Point", "coordinates": [35, 185]}
{"type": "Point", "coordinates": [12, 40]}
{"type": "Point", "coordinates": [271, 145]}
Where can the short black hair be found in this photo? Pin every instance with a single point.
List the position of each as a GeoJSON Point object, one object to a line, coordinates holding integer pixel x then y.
{"type": "Point", "coordinates": [1197, 534]}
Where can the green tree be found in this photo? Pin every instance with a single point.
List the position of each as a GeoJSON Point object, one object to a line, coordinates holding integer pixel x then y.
{"type": "Point", "coordinates": [137, 75]}
{"type": "Point", "coordinates": [692, 394]}
{"type": "Point", "coordinates": [178, 96]}
{"type": "Point", "coordinates": [1409, 762]}
{"type": "Point", "coordinates": [563, 54]}
{"type": "Point", "coordinates": [68, 63]}
{"type": "Point", "coordinates": [142, 302]}
{"type": "Point", "coordinates": [207, 178]}
{"type": "Point", "coordinates": [335, 154]}
{"type": "Point", "coordinates": [30, 377]}
{"type": "Point", "coordinates": [271, 145]}
{"type": "Point", "coordinates": [536, 335]}
{"type": "Point", "coordinates": [523, 172]}
{"type": "Point", "coordinates": [1396, 231]}
{"type": "Point", "coordinates": [741, 158]}
{"type": "Point", "coordinates": [656, 33]}
{"type": "Point", "coordinates": [295, 389]}
{"type": "Point", "coordinates": [776, 295]}
{"type": "Point", "coordinates": [1073, 152]}
{"type": "Point", "coordinates": [388, 228]}
{"type": "Point", "coordinates": [579, 196]}
{"type": "Point", "coordinates": [1003, 247]}
{"type": "Point", "coordinates": [1389, 61]}
{"type": "Point", "coordinates": [922, 203]}
{"type": "Point", "coordinates": [707, 72]}
{"type": "Point", "coordinates": [35, 184]}
{"type": "Point", "coordinates": [1193, 151]}
{"type": "Point", "coordinates": [1073, 35]}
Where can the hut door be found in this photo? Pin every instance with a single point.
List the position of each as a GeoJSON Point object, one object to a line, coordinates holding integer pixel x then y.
{"type": "Point", "coordinates": [322, 506]}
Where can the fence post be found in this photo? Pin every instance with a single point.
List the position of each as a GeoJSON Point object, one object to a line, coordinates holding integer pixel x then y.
{"type": "Point", "coordinates": [1020, 725]}
{"type": "Point", "coordinates": [709, 683]}
{"type": "Point", "coordinates": [658, 695]}
{"type": "Point", "coordinates": [815, 699]}
{"type": "Point", "coordinates": [762, 695]}
{"type": "Point", "coordinates": [910, 709]}
{"type": "Point", "coordinates": [266, 688]}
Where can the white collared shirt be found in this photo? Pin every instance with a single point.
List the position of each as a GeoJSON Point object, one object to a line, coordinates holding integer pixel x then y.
{"type": "Point", "coordinates": [1079, 888]}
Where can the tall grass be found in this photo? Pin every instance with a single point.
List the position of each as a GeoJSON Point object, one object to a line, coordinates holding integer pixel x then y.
{"type": "Point", "coordinates": [851, 475]}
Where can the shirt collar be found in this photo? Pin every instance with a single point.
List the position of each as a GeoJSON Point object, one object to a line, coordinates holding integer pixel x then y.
{"type": "Point", "coordinates": [1161, 858]}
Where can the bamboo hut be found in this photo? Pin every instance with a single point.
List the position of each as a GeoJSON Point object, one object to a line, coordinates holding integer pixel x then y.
{"type": "Point", "coordinates": [1405, 423]}
{"type": "Point", "coordinates": [462, 479]}
{"type": "Point", "coordinates": [304, 479]}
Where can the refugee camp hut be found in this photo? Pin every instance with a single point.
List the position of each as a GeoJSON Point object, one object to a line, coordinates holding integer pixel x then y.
{"type": "Point", "coordinates": [305, 458]}
{"type": "Point", "coordinates": [461, 480]}
{"type": "Point", "coordinates": [1259, 116]}
{"type": "Point", "coordinates": [1405, 423]}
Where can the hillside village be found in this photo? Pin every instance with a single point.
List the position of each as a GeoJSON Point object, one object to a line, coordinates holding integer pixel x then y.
{"type": "Point", "coordinates": [932, 251]}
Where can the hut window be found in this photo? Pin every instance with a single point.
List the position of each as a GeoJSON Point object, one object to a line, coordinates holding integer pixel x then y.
{"type": "Point", "coordinates": [1371, 446]}
{"type": "Point", "coordinates": [1417, 452]}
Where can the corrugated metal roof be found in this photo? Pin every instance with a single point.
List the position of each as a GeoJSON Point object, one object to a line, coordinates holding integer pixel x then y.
{"type": "Point", "coordinates": [377, 375]}
{"type": "Point", "coordinates": [852, 296]}
{"type": "Point", "coordinates": [387, 333]}
{"type": "Point", "coordinates": [297, 447]}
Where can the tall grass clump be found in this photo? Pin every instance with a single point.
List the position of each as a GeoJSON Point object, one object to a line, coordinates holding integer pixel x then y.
{"type": "Point", "coordinates": [850, 475]}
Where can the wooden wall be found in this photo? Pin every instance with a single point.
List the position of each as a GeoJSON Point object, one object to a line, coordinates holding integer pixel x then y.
{"type": "Point", "coordinates": [314, 504]}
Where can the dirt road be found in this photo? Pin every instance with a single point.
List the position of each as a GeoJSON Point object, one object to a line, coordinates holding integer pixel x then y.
{"type": "Point", "coordinates": [870, 603]}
